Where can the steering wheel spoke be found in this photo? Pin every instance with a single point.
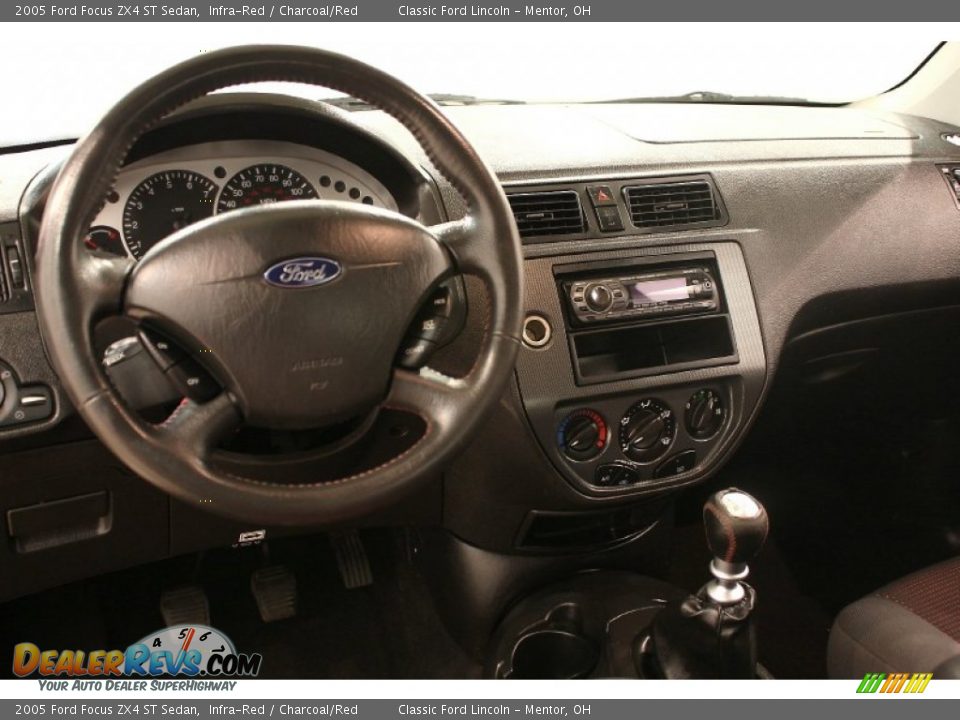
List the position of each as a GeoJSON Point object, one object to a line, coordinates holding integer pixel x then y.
{"type": "Point", "coordinates": [198, 428]}
{"type": "Point", "coordinates": [427, 393]}
{"type": "Point", "coordinates": [463, 240]}
{"type": "Point", "coordinates": [103, 279]}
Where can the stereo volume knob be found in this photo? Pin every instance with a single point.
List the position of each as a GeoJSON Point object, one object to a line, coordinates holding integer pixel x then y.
{"type": "Point", "coordinates": [599, 298]}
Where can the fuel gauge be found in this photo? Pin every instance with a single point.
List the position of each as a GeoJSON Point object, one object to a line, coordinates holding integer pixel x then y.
{"type": "Point", "coordinates": [106, 239]}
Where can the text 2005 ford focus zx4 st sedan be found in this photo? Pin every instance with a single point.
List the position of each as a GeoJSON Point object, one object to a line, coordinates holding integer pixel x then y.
{"type": "Point", "coordinates": [389, 385]}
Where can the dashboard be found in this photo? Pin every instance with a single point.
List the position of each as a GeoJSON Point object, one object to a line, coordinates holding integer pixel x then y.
{"type": "Point", "coordinates": [157, 196]}
{"type": "Point", "coordinates": [613, 408]}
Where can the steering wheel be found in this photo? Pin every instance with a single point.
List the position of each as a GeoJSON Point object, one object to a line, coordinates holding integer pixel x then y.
{"type": "Point", "coordinates": [300, 348]}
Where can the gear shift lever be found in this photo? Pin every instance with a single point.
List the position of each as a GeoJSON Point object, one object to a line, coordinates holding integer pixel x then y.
{"type": "Point", "coordinates": [710, 634]}
{"type": "Point", "coordinates": [736, 526]}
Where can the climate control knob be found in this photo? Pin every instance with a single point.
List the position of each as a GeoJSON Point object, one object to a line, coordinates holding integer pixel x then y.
{"type": "Point", "coordinates": [582, 435]}
{"type": "Point", "coordinates": [705, 414]}
{"type": "Point", "coordinates": [647, 430]}
{"type": "Point", "coordinates": [598, 298]}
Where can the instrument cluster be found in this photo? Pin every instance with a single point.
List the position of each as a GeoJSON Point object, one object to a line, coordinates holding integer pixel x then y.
{"type": "Point", "coordinates": [157, 196]}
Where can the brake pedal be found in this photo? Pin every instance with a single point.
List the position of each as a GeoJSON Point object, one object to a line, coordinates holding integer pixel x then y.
{"type": "Point", "coordinates": [275, 590]}
{"type": "Point", "coordinates": [352, 560]}
{"type": "Point", "coordinates": [187, 605]}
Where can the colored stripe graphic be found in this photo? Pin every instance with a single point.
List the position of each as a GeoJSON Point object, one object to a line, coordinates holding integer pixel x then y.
{"type": "Point", "coordinates": [913, 683]}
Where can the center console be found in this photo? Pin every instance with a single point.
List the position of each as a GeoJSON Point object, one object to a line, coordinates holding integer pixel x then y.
{"type": "Point", "coordinates": [652, 364]}
{"type": "Point", "coordinates": [641, 367]}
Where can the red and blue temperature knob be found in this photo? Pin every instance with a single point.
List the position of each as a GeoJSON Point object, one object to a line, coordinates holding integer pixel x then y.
{"type": "Point", "coordinates": [583, 434]}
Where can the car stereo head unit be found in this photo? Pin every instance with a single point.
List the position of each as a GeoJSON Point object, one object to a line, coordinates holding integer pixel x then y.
{"type": "Point", "coordinates": [676, 291]}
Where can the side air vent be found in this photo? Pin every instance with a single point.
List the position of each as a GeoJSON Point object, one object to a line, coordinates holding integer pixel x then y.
{"type": "Point", "coordinates": [665, 204]}
{"type": "Point", "coordinates": [541, 214]}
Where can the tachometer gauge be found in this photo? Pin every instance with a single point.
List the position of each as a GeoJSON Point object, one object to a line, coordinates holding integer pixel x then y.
{"type": "Point", "coordinates": [164, 203]}
{"type": "Point", "coordinates": [105, 238]}
{"type": "Point", "coordinates": [262, 184]}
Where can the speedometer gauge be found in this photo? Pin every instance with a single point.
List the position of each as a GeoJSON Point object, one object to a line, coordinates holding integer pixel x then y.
{"type": "Point", "coordinates": [262, 184]}
{"type": "Point", "coordinates": [164, 203]}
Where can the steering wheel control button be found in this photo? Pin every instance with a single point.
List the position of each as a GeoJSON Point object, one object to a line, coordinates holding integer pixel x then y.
{"type": "Point", "coordinates": [430, 327]}
{"type": "Point", "coordinates": [583, 434]}
{"type": "Point", "coordinates": [677, 465]}
{"type": "Point", "coordinates": [704, 414]}
{"type": "Point", "coordinates": [449, 304]}
{"type": "Point", "coordinates": [439, 321]}
{"type": "Point", "coordinates": [537, 332]}
{"type": "Point", "coordinates": [192, 381]}
{"type": "Point", "coordinates": [614, 475]}
{"type": "Point", "coordinates": [417, 353]}
{"type": "Point", "coordinates": [647, 430]}
{"type": "Point", "coordinates": [165, 353]}
{"type": "Point", "coordinates": [122, 349]}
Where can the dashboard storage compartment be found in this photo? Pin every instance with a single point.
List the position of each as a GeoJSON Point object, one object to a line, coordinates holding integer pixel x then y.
{"type": "Point", "coordinates": [74, 512]}
{"type": "Point", "coordinates": [649, 349]}
{"type": "Point", "coordinates": [569, 531]}
{"type": "Point", "coordinates": [49, 524]}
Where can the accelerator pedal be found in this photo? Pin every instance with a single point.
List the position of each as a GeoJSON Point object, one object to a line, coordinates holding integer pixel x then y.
{"type": "Point", "coordinates": [352, 560]}
{"type": "Point", "coordinates": [275, 590]}
{"type": "Point", "coordinates": [187, 605]}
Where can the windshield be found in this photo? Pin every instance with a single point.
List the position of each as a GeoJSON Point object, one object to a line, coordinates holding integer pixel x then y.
{"type": "Point", "coordinates": [72, 73]}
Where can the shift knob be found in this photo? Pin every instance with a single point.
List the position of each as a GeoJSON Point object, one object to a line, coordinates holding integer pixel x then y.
{"type": "Point", "coordinates": [736, 525]}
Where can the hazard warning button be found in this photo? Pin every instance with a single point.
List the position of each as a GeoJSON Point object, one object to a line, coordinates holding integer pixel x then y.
{"type": "Point", "coordinates": [601, 195]}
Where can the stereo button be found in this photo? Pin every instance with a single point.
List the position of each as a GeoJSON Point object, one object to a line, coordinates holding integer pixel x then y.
{"type": "Point", "coordinates": [599, 298]}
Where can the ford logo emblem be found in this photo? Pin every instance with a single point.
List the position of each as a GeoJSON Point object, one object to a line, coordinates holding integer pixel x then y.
{"type": "Point", "coordinates": [303, 272]}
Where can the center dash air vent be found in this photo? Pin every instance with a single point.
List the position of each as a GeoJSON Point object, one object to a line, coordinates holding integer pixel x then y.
{"type": "Point", "coordinates": [548, 213]}
{"type": "Point", "coordinates": [672, 203]}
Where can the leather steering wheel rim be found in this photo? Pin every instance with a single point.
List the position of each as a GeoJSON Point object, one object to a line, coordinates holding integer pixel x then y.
{"type": "Point", "coordinates": [76, 288]}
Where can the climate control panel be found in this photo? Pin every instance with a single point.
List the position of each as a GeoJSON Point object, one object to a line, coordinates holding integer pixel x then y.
{"type": "Point", "coordinates": [626, 442]}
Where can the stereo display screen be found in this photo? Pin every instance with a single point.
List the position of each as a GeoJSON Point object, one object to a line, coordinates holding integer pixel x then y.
{"type": "Point", "coordinates": [662, 290]}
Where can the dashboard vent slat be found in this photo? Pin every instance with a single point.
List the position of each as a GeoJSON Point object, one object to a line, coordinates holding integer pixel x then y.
{"type": "Point", "coordinates": [671, 203]}
{"type": "Point", "coordinates": [556, 212]}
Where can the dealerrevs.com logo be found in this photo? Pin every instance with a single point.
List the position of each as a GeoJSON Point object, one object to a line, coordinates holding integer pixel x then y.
{"type": "Point", "coordinates": [181, 650]}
